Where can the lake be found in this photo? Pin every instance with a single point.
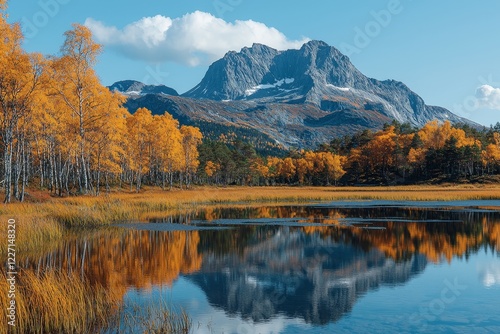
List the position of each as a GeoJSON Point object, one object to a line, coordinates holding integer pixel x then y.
{"type": "Point", "coordinates": [343, 267]}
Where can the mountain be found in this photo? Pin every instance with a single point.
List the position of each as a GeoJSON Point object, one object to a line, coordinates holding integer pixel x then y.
{"type": "Point", "coordinates": [297, 98]}
{"type": "Point", "coordinates": [136, 88]}
{"type": "Point", "coordinates": [229, 77]}
{"type": "Point", "coordinates": [317, 74]}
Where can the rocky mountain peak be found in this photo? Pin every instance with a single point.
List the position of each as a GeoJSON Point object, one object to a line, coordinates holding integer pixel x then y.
{"type": "Point", "coordinates": [316, 74]}
{"type": "Point", "coordinates": [229, 77]}
{"type": "Point", "coordinates": [262, 72]}
{"type": "Point", "coordinates": [258, 48]}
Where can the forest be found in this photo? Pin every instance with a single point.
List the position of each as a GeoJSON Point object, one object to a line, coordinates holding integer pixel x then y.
{"type": "Point", "coordinates": [63, 131]}
{"type": "Point", "coordinates": [397, 154]}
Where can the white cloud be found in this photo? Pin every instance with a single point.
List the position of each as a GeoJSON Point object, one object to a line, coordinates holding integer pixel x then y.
{"type": "Point", "coordinates": [488, 97]}
{"type": "Point", "coordinates": [193, 39]}
{"type": "Point", "coordinates": [491, 275]}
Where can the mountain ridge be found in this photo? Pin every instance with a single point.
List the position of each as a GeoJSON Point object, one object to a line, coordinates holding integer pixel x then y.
{"type": "Point", "coordinates": [133, 87]}
{"type": "Point", "coordinates": [299, 98]}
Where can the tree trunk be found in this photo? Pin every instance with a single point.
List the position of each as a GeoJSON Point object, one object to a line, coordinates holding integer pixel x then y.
{"type": "Point", "coordinates": [8, 171]}
{"type": "Point", "coordinates": [107, 182]}
{"type": "Point", "coordinates": [98, 181]}
{"type": "Point", "coordinates": [17, 168]}
{"type": "Point", "coordinates": [24, 174]}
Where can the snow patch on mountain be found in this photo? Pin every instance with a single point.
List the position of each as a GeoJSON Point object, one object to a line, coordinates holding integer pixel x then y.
{"type": "Point", "coordinates": [276, 84]}
{"type": "Point", "coordinates": [343, 89]}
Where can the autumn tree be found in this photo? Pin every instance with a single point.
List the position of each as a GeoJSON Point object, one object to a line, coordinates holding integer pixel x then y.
{"type": "Point", "coordinates": [59, 124]}
{"type": "Point", "coordinates": [75, 82]}
{"type": "Point", "coordinates": [260, 169]}
{"type": "Point", "coordinates": [274, 167]}
{"type": "Point", "coordinates": [139, 142]}
{"type": "Point", "coordinates": [19, 78]}
{"type": "Point", "coordinates": [107, 142]}
{"type": "Point", "coordinates": [191, 138]}
{"type": "Point", "coordinates": [491, 154]}
{"type": "Point", "coordinates": [334, 167]}
{"type": "Point", "coordinates": [167, 147]}
{"type": "Point", "coordinates": [448, 150]}
{"type": "Point", "coordinates": [303, 166]}
{"type": "Point", "coordinates": [380, 151]}
{"type": "Point", "coordinates": [211, 169]}
{"type": "Point", "coordinates": [434, 136]}
{"type": "Point", "coordinates": [287, 169]}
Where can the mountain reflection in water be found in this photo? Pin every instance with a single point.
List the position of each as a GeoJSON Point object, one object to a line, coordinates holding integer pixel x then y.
{"type": "Point", "coordinates": [256, 270]}
{"type": "Point", "coordinates": [298, 275]}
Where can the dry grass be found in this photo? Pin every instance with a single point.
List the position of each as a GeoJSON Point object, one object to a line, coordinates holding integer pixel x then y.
{"type": "Point", "coordinates": [155, 319]}
{"type": "Point", "coordinates": [123, 206]}
{"type": "Point", "coordinates": [35, 228]}
{"type": "Point", "coordinates": [212, 195]}
{"type": "Point", "coordinates": [56, 303]}
{"type": "Point", "coordinates": [88, 211]}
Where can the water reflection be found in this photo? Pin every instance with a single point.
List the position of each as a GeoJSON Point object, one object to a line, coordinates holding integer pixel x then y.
{"type": "Point", "coordinates": [125, 259]}
{"type": "Point", "coordinates": [490, 275]}
{"type": "Point", "coordinates": [398, 232]}
{"type": "Point", "coordinates": [315, 269]}
{"type": "Point", "coordinates": [296, 274]}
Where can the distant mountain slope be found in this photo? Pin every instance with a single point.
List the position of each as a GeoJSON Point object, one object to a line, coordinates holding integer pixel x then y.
{"type": "Point", "coordinates": [298, 98]}
{"type": "Point", "coordinates": [136, 88]}
{"type": "Point", "coordinates": [200, 114]}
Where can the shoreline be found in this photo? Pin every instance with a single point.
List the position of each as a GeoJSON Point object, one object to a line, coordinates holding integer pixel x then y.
{"type": "Point", "coordinates": [47, 220]}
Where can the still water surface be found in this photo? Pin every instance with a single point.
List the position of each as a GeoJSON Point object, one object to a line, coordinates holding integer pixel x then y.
{"type": "Point", "coordinates": [370, 267]}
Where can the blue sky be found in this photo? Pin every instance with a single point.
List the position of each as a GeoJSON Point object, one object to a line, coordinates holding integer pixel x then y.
{"type": "Point", "coordinates": [447, 51]}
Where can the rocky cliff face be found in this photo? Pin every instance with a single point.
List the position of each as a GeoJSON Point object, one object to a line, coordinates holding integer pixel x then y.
{"type": "Point", "coordinates": [229, 77]}
{"type": "Point", "coordinates": [300, 98]}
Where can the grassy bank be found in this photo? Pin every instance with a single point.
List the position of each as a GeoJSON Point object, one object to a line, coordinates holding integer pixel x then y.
{"type": "Point", "coordinates": [35, 228]}
{"type": "Point", "coordinates": [119, 206]}
{"type": "Point", "coordinates": [56, 303]}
